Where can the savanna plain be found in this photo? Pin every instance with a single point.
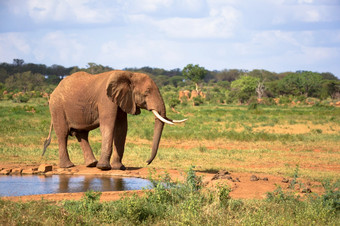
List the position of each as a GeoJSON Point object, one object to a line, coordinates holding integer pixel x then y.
{"type": "Point", "coordinates": [298, 143]}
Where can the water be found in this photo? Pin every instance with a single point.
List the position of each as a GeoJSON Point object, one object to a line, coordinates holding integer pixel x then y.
{"type": "Point", "coordinates": [41, 184]}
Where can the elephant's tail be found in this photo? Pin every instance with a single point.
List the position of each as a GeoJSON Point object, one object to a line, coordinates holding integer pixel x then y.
{"type": "Point", "coordinates": [48, 139]}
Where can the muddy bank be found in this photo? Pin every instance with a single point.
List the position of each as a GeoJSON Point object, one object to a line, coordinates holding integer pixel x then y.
{"type": "Point", "coordinates": [243, 185]}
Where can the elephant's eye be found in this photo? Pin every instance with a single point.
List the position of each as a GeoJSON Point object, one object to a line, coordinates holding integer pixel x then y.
{"type": "Point", "coordinates": [147, 91]}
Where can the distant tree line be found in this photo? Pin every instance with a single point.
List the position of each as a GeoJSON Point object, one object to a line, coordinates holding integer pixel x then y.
{"type": "Point", "coordinates": [228, 85]}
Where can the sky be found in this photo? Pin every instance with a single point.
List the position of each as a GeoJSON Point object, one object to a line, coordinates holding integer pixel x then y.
{"type": "Point", "coordinates": [275, 35]}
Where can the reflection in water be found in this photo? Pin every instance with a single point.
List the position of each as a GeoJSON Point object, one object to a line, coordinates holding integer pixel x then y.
{"type": "Point", "coordinates": [40, 184]}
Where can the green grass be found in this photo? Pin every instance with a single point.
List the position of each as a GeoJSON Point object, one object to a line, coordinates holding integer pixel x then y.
{"type": "Point", "coordinates": [186, 203]}
{"type": "Point", "coordinates": [228, 136]}
{"type": "Point", "coordinates": [214, 137]}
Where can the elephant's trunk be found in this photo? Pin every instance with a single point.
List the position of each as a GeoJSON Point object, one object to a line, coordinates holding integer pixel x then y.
{"type": "Point", "coordinates": [160, 120]}
{"type": "Point", "coordinates": [159, 112]}
{"type": "Point", "coordinates": [156, 139]}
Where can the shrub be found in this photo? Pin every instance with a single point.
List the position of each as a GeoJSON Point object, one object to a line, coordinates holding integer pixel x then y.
{"type": "Point", "coordinates": [21, 97]}
{"type": "Point", "coordinates": [198, 100]}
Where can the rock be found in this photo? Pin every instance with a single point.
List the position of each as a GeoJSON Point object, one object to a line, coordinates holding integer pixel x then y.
{"type": "Point", "coordinates": [234, 180]}
{"type": "Point", "coordinates": [254, 178]}
{"type": "Point", "coordinates": [60, 170]}
{"type": "Point", "coordinates": [16, 171]}
{"type": "Point", "coordinates": [284, 180]}
{"type": "Point", "coordinates": [30, 171]}
{"type": "Point", "coordinates": [306, 190]}
{"type": "Point", "coordinates": [228, 177]}
{"type": "Point", "coordinates": [5, 171]}
{"type": "Point", "coordinates": [222, 174]}
{"type": "Point", "coordinates": [265, 178]}
{"type": "Point", "coordinates": [43, 168]}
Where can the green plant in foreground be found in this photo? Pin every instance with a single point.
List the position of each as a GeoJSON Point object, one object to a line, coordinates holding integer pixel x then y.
{"type": "Point", "coordinates": [293, 182]}
{"type": "Point", "coordinates": [185, 203]}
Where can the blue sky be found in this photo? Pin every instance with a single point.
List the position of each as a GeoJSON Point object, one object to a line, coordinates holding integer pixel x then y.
{"type": "Point", "coordinates": [276, 35]}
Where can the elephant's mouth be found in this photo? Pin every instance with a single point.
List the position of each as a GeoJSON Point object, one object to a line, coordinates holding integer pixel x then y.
{"type": "Point", "coordinates": [167, 121]}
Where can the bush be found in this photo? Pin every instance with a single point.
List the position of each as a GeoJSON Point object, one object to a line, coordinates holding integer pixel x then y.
{"type": "Point", "coordinates": [197, 101]}
{"type": "Point", "coordinates": [21, 97]}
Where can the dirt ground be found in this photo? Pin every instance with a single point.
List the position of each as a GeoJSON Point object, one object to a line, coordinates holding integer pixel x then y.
{"type": "Point", "coordinates": [243, 185]}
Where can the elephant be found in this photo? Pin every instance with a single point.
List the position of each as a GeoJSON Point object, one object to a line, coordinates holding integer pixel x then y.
{"type": "Point", "coordinates": [83, 102]}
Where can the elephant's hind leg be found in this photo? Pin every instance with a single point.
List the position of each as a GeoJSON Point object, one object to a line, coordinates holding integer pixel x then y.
{"type": "Point", "coordinates": [90, 160]}
{"type": "Point", "coordinates": [61, 130]}
{"type": "Point", "coordinates": [64, 158]}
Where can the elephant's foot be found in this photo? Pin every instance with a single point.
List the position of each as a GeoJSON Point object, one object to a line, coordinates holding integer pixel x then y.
{"type": "Point", "coordinates": [103, 166]}
{"type": "Point", "coordinates": [91, 163]}
{"type": "Point", "coordinates": [118, 166]}
{"type": "Point", "coordinates": [66, 164]}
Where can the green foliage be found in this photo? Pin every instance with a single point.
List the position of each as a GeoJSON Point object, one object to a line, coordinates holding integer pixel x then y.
{"type": "Point", "coordinates": [172, 99]}
{"type": "Point", "coordinates": [331, 196]}
{"type": "Point", "coordinates": [194, 73]}
{"type": "Point", "coordinates": [179, 203]}
{"type": "Point", "coordinates": [223, 195]}
{"type": "Point", "coordinates": [193, 182]}
{"type": "Point", "coordinates": [21, 97]}
{"type": "Point", "coordinates": [243, 88]}
{"type": "Point", "coordinates": [25, 81]}
{"type": "Point", "coordinates": [293, 182]}
{"type": "Point", "coordinates": [305, 83]}
{"type": "Point", "coordinates": [198, 100]}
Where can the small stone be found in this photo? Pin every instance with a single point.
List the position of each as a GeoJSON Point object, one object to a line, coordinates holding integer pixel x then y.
{"type": "Point", "coordinates": [60, 170]}
{"type": "Point", "coordinates": [265, 178]}
{"type": "Point", "coordinates": [284, 180]}
{"type": "Point", "coordinates": [228, 177]}
{"type": "Point", "coordinates": [223, 172]}
{"type": "Point", "coordinates": [16, 171]}
{"type": "Point", "coordinates": [254, 178]}
{"type": "Point", "coordinates": [30, 171]}
{"type": "Point", "coordinates": [237, 179]}
{"type": "Point", "coordinates": [5, 171]}
{"type": "Point", "coordinates": [43, 168]}
{"type": "Point", "coordinates": [306, 190]}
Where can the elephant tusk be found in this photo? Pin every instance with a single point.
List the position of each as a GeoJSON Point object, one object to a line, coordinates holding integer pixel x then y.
{"type": "Point", "coordinates": [179, 121]}
{"type": "Point", "coordinates": [161, 118]}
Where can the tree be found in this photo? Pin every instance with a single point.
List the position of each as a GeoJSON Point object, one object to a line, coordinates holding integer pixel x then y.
{"type": "Point", "coordinates": [244, 87]}
{"type": "Point", "coordinates": [330, 88]}
{"type": "Point", "coordinates": [263, 75]}
{"type": "Point", "coordinates": [18, 62]}
{"type": "Point", "coordinates": [260, 89]}
{"type": "Point", "coordinates": [329, 76]}
{"type": "Point", "coordinates": [195, 73]}
{"type": "Point", "coordinates": [25, 81]}
{"type": "Point", "coordinates": [305, 83]}
{"type": "Point", "coordinates": [228, 75]}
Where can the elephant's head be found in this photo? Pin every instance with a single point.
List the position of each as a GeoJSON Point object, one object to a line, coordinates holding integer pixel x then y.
{"type": "Point", "coordinates": [133, 91]}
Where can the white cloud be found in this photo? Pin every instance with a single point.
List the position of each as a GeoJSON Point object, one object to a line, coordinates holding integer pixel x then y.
{"type": "Point", "coordinates": [58, 45]}
{"type": "Point", "coordinates": [280, 34]}
{"type": "Point", "coordinates": [13, 45]}
{"type": "Point", "coordinates": [220, 23]}
{"type": "Point", "coordinates": [141, 52]}
{"type": "Point", "coordinates": [72, 11]}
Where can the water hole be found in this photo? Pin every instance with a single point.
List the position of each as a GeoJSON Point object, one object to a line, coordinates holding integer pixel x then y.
{"type": "Point", "coordinates": [14, 185]}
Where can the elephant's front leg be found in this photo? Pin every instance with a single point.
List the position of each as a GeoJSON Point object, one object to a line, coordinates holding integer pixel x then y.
{"type": "Point", "coordinates": [107, 140]}
{"type": "Point", "coordinates": [119, 137]}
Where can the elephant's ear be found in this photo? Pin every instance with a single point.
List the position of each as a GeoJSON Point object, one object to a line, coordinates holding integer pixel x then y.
{"type": "Point", "coordinates": [120, 89]}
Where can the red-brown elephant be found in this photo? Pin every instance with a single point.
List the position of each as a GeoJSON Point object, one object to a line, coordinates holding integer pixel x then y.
{"type": "Point", "coordinates": [83, 102]}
